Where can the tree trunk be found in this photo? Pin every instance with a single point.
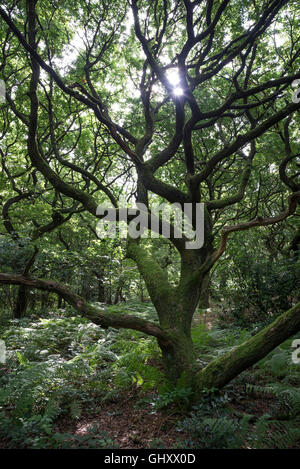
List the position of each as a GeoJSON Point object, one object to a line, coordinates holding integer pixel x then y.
{"type": "Point", "coordinates": [101, 291]}
{"type": "Point", "coordinates": [178, 358]}
{"type": "Point", "coordinates": [44, 302]}
{"type": "Point", "coordinates": [204, 294]}
{"type": "Point", "coordinates": [142, 298]}
{"type": "Point", "coordinates": [118, 294]}
{"type": "Point", "coordinates": [59, 302]}
{"type": "Point", "coordinates": [21, 303]}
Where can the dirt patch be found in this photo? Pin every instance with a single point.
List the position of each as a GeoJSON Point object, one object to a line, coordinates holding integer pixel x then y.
{"type": "Point", "coordinates": [129, 424]}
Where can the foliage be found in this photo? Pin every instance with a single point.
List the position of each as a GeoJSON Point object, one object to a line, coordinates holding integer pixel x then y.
{"type": "Point", "coordinates": [259, 288]}
{"type": "Point", "coordinates": [58, 367]}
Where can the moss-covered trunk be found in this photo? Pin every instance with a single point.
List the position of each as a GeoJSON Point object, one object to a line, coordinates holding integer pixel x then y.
{"type": "Point", "coordinates": [222, 370]}
{"type": "Point", "coordinates": [178, 358]}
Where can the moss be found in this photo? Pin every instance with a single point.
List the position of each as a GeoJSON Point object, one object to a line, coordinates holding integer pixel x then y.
{"type": "Point", "coordinates": [228, 366]}
{"type": "Point", "coordinates": [160, 290]}
{"type": "Point", "coordinates": [178, 357]}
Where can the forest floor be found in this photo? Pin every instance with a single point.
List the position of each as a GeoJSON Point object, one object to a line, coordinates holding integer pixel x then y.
{"type": "Point", "coordinates": [131, 426]}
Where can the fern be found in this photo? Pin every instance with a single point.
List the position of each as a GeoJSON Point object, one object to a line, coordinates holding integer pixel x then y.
{"type": "Point", "coordinates": [260, 391]}
{"type": "Point", "coordinates": [273, 434]}
{"type": "Point", "coordinates": [75, 410]}
{"type": "Point", "coordinates": [51, 412]}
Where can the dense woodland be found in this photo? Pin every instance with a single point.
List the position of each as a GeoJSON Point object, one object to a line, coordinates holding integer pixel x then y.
{"type": "Point", "coordinates": [149, 341]}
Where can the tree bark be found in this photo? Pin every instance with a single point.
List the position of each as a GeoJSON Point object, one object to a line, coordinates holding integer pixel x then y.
{"type": "Point", "coordinates": [21, 303]}
{"type": "Point", "coordinates": [205, 293]}
{"type": "Point", "coordinates": [98, 316]}
{"type": "Point", "coordinates": [178, 358]}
